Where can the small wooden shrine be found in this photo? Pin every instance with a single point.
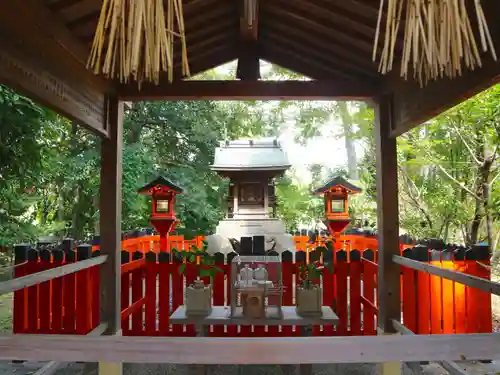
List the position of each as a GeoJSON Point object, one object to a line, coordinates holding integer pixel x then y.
{"type": "Point", "coordinates": [251, 166]}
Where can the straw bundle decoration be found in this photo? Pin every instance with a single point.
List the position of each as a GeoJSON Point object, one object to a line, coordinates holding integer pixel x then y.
{"type": "Point", "coordinates": [438, 37]}
{"type": "Point", "coordinates": [134, 40]}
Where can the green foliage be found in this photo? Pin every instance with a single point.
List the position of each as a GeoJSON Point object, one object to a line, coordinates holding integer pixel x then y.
{"type": "Point", "coordinates": [307, 272]}
{"type": "Point", "coordinates": [296, 204]}
{"type": "Point", "coordinates": [203, 262]}
{"type": "Point", "coordinates": [444, 168]}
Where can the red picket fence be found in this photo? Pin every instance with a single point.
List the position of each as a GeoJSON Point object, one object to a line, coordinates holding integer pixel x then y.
{"type": "Point", "coordinates": [152, 288]}
{"type": "Point", "coordinates": [65, 305]}
{"type": "Point", "coordinates": [433, 305]}
{"type": "Point", "coordinates": [157, 289]}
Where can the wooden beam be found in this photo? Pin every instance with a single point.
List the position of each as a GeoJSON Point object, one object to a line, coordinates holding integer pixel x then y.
{"type": "Point", "coordinates": [242, 90]}
{"type": "Point", "coordinates": [110, 210]}
{"type": "Point", "coordinates": [248, 68]}
{"type": "Point", "coordinates": [248, 54]}
{"type": "Point", "coordinates": [460, 277]}
{"type": "Point", "coordinates": [41, 59]}
{"type": "Point", "coordinates": [51, 367]}
{"type": "Point", "coordinates": [387, 217]}
{"type": "Point", "coordinates": [255, 350]}
{"type": "Point", "coordinates": [449, 366]}
{"type": "Point", "coordinates": [42, 276]}
{"type": "Point", "coordinates": [414, 105]}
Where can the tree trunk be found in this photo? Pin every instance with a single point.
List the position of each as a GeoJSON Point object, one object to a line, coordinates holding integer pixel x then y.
{"type": "Point", "coordinates": [347, 125]}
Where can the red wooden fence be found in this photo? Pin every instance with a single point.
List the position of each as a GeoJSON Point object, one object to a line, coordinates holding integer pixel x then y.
{"type": "Point", "coordinates": [146, 312]}
{"type": "Point", "coordinates": [152, 288]}
{"type": "Point", "coordinates": [433, 305]}
{"type": "Point", "coordinates": [66, 305]}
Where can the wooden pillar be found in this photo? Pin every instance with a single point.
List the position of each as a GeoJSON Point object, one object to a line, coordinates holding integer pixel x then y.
{"type": "Point", "coordinates": [388, 226]}
{"type": "Point", "coordinates": [110, 223]}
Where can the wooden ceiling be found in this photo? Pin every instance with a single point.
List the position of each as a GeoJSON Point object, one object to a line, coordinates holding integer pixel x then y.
{"type": "Point", "coordinates": [321, 39]}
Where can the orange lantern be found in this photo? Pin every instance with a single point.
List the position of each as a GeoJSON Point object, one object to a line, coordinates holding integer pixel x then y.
{"type": "Point", "coordinates": [336, 196]}
{"type": "Point", "coordinates": [163, 216]}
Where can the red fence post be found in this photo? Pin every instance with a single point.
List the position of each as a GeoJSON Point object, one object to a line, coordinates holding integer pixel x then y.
{"type": "Point", "coordinates": [44, 304]}
{"type": "Point", "coordinates": [232, 329]}
{"type": "Point", "coordinates": [328, 289]}
{"type": "Point", "coordinates": [287, 280]}
{"type": "Point", "coordinates": [69, 289]}
{"type": "Point", "coordinates": [32, 292]}
{"type": "Point", "coordinates": [164, 295]}
{"type": "Point", "coordinates": [482, 254]}
{"type": "Point", "coordinates": [460, 313]}
{"type": "Point", "coordinates": [56, 300]}
{"type": "Point", "coordinates": [20, 296]}
{"type": "Point", "coordinates": [315, 256]}
{"type": "Point", "coordinates": [150, 293]}
{"type": "Point", "coordinates": [448, 291]}
{"type": "Point", "coordinates": [218, 290]}
{"type": "Point", "coordinates": [95, 276]}
{"type": "Point", "coordinates": [125, 292]}
{"type": "Point", "coordinates": [369, 277]}
{"type": "Point", "coordinates": [421, 254]}
{"type": "Point", "coordinates": [84, 292]}
{"type": "Point", "coordinates": [137, 294]}
{"type": "Point", "coordinates": [341, 273]}
{"type": "Point", "coordinates": [177, 292]}
{"type": "Point", "coordinates": [355, 271]}
{"type": "Point", "coordinates": [409, 295]}
{"type": "Point", "coordinates": [479, 319]}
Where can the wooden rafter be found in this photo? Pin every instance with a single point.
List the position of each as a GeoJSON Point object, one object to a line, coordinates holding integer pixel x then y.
{"type": "Point", "coordinates": [321, 43]}
{"type": "Point", "coordinates": [290, 52]}
{"type": "Point", "coordinates": [326, 12]}
{"type": "Point", "coordinates": [332, 62]}
{"type": "Point", "coordinates": [250, 90]}
{"type": "Point", "coordinates": [307, 23]}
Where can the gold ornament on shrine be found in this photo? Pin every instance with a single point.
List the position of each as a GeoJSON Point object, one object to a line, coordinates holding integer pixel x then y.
{"type": "Point", "coordinates": [134, 39]}
{"type": "Point", "coordinates": [439, 40]}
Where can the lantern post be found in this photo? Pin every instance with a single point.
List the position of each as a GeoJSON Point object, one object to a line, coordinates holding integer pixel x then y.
{"type": "Point", "coordinates": [163, 219]}
{"type": "Point", "coordinates": [336, 197]}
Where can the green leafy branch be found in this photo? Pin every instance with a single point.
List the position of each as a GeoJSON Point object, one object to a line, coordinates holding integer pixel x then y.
{"type": "Point", "coordinates": [203, 263]}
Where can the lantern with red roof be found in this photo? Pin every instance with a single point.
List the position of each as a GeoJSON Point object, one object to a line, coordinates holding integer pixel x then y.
{"type": "Point", "coordinates": [336, 193]}
{"type": "Point", "coordinates": [163, 219]}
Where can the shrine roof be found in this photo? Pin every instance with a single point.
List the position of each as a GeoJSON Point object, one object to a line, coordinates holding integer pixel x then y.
{"type": "Point", "coordinates": [160, 180]}
{"type": "Point", "coordinates": [250, 155]}
{"type": "Point", "coordinates": [336, 181]}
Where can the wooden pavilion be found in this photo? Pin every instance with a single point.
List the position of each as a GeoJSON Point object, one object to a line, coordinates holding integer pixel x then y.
{"type": "Point", "coordinates": [45, 45]}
